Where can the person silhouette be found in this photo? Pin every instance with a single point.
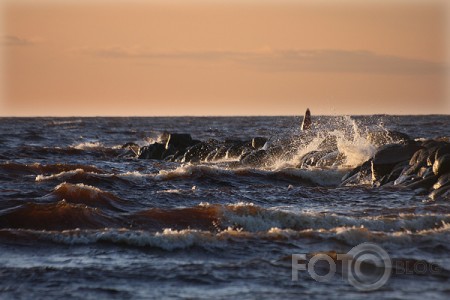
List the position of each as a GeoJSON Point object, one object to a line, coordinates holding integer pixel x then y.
{"type": "Point", "coordinates": [306, 124]}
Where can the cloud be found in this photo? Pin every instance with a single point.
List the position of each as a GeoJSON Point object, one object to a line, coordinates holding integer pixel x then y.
{"type": "Point", "coordinates": [342, 61]}
{"type": "Point", "coordinates": [14, 40]}
{"type": "Point", "coordinates": [329, 60]}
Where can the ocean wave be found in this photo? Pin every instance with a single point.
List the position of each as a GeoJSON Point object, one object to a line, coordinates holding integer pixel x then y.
{"type": "Point", "coordinates": [322, 177]}
{"type": "Point", "coordinates": [171, 239]}
{"type": "Point", "coordinates": [37, 168]}
{"type": "Point", "coordinates": [81, 176]}
{"type": "Point", "coordinates": [88, 195]}
{"type": "Point", "coordinates": [191, 171]}
{"type": "Point", "coordinates": [54, 216]}
{"type": "Point", "coordinates": [88, 145]}
{"type": "Point", "coordinates": [253, 218]}
{"type": "Point", "coordinates": [66, 122]}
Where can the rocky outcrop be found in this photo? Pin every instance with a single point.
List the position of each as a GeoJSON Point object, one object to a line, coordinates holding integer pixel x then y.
{"type": "Point", "coordinates": [423, 166]}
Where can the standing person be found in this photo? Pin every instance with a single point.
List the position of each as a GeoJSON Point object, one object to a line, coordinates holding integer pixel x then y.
{"type": "Point", "coordinates": [306, 124]}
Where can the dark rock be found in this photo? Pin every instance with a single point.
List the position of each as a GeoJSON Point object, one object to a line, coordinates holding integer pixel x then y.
{"type": "Point", "coordinates": [199, 151]}
{"type": "Point", "coordinates": [258, 142]}
{"type": "Point", "coordinates": [168, 152]}
{"type": "Point", "coordinates": [430, 144]}
{"type": "Point", "coordinates": [442, 165]}
{"type": "Point", "coordinates": [355, 170]}
{"type": "Point", "coordinates": [425, 172]}
{"type": "Point", "coordinates": [133, 150]}
{"type": "Point", "coordinates": [442, 150]}
{"type": "Point", "coordinates": [254, 158]}
{"type": "Point", "coordinates": [358, 175]}
{"type": "Point", "coordinates": [236, 150]}
{"type": "Point", "coordinates": [388, 156]}
{"type": "Point", "coordinates": [397, 170]}
{"type": "Point", "coordinates": [330, 159]}
{"type": "Point", "coordinates": [170, 158]}
{"type": "Point", "coordinates": [179, 141]}
{"type": "Point", "coordinates": [311, 158]}
{"type": "Point", "coordinates": [153, 151]}
{"type": "Point", "coordinates": [426, 183]}
{"type": "Point", "coordinates": [211, 155]}
{"type": "Point", "coordinates": [419, 156]}
{"type": "Point", "coordinates": [437, 150]}
{"type": "Point", "coordinates": [442, 181]}
{"type": "Point", "coordinates": [221, 153]}
{"type": "Point", "coordinates": [442, 192]}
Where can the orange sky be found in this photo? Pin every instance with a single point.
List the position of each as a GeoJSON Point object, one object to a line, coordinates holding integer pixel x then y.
{"type": "Point", "coordinates": [210, 58]}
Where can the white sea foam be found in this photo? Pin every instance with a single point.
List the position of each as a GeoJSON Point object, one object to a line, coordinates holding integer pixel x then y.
{"type": "Point", "coordinates": [67, 122]}
{"type": "Point", "coordinates": [68, 174]}
{"type": "Point", "coordinates": [76, 188]}
{"type": "Point", "coordinates": [88, 145]}
{"type": "Point", "coordinates": [169, 239]}
{"type": "Point", "coordinates": [351, 141]}
{"type": "Point", "coordinates": [191, 170]}
{"type": "Point", "coordinates": [63, 175]}
{"type": "Point", "coordinates": [254, 218]}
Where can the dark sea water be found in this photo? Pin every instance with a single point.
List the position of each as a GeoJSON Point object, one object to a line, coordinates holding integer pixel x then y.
{"type": "Point", "coordinates": [79, 219]}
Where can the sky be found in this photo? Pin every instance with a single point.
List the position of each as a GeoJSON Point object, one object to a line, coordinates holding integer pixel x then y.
{"type": "Point", "coordinates": [167, 58]}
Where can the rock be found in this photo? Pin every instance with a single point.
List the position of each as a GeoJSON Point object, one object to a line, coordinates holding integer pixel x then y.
{"type": "Point", "coordinates": [430, 144]}
{"type": "Point", "coordinates": [329, 159]}
{"type": "Point", "coordinates": [132, 150]}
{"type": "Point", "coordinates": [199, 151]}
{"type": "Point", "coordinates": [419, 156]}
{"type": "Point", "coordinates": [442, 165]}
{"type": "Point", "coordinates": [258, 142]}
{"type": "Point", "coordinates": [276, 151]}
{"type": "Point", "coordinates": [211, 155]}
{"type": "Point", "coordinates": [254, 158]}
{"type": "Point", "coordinates": [443, 149]}
{"type": "Point", "coordinates": [437, 149]}
{"type": "Point", "coordinates": [443, 192]}
{"type": "Point", "coordinates": [236, 150]}
{"type": "Point", "coordinates": [153, 151]}
{"type": "Point", "coordinates": [179, 141]}
{"type": "Point", "coordinates": [353, 171]}
{"type": "Point", "coordinates": [388, 156]}
{"type": "Point", "coordinates": [358, 175]}
{"type": "Point", "coordinates": [426, 183]}
{"type": "Point", "coordinates": [397, 170]}
{"type": "Point", "coordinates": [442, 181]}
{"type": "Point", "coordinates": [404, 180]}
{"type": "Point", "coordinates": [169, 152]}
{"type": "Point", "coordinates": [221, 153]}
{"type": "Point", "coordinates": [417, 161]}
{"type": "Point", "coordinates": [311, 158]}
{"type": "Point", "coordinates": [164, 137]}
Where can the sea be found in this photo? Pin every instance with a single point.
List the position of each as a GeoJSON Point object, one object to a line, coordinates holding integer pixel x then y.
{"type": "Point", "coordinates": [82, 219]}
